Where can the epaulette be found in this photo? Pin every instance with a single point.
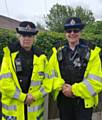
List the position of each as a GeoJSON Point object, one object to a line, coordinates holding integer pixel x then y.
{"type": "Point", "coordinates": [37, 51]}
{"type": "Point", "coordinates": [14, 46]}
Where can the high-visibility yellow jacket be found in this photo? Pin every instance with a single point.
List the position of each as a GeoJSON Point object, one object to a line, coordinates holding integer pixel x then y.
{"type": "Point", "coordinates": [91, 85]}
{"type": "Point", "coordinates": [12, 96]}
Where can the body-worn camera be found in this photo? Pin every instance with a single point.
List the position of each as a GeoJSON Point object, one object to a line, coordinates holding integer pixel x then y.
{"type": "Point", "coordinates": [18, 65]}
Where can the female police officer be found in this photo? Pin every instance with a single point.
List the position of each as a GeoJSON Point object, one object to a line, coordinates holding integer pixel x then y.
{"type": "Point", "coordinates": [22, 77]}
{"type": "Point", "coordinates": [78, 63]}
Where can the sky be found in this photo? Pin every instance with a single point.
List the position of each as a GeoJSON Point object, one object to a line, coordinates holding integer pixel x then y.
{"type": "Point", "coordinates": [34, 10]}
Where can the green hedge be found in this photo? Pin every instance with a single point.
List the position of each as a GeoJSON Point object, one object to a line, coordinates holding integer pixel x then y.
{"type": "Point", "coordinates": [45, 40]}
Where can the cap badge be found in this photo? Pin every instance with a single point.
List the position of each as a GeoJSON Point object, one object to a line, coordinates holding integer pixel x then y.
{"type": "Point", "coordinates": [28, 27]}
{"type": "Point", "coordinates": [72, 22]}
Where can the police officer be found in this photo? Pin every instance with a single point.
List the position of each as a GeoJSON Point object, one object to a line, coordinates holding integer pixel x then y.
{"type": "Point", "coordinates": [78, 63]}
{"type": "Point", "coordinates": [22, 77]}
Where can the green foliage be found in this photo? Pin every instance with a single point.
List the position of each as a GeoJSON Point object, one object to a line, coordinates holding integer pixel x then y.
{"type": "Point", "coordinates": [56, 18]}
{"type": "Point", "coordinates": [46, 39]}
{"type": "Point", "coordinates": [95, 28]}
{"type": "Point", "coordinates": [85, 15]}
{"type": "Point", "coordinates": [94, 38]}
{"type": "Point", "coordinates": [6, 36]}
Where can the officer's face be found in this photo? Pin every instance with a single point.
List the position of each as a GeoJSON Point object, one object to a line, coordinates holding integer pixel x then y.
{"type": "Point", "coordinates": [72, 35]}
{"type": "Point", "coordinates": [26, 41]}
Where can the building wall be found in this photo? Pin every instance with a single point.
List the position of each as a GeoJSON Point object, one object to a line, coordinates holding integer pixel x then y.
{"type": "Point", "coordinates": [8, 23]}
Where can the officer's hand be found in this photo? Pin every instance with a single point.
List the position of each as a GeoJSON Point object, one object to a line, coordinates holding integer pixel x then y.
{"type": "Point", "coordinates": [29, 99]}
{"type": "Point", "coordinates": [67, 90]}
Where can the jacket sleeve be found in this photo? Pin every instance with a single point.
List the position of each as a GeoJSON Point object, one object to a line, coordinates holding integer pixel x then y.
{"type": "Point", "coordinates": [7, 84]}
{"type": "Point", "coordinates": [55, 74]}
{"type": "Point", "coordinates": [42, 74]}
{"type": "Point", "coordinates": [49, 81]}
{"type": "Point", "coordinates": [92, 82]}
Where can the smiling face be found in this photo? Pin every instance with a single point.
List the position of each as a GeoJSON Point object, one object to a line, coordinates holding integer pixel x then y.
{"type": "Point", "coordinates": [26, 41]}
{"type": "Point", "coordinates": [72, 35]}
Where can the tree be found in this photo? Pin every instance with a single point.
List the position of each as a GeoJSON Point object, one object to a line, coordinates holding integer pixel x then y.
{"type": "Point", "coordinates": [98, 27]}
{"type": "Point", "coordinates": [86, 15]}
{"type": "Point", "coordinates": [58, 14]}
{"type": "Point", "coordinates": [94, 28]}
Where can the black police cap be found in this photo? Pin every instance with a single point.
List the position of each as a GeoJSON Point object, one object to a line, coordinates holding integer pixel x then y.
{"type": "Point", "coordinates": [27, 28]}
{"type": "Point", "coordinates": [74, 22]}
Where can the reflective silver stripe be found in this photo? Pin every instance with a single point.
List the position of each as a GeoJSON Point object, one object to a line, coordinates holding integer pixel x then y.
{"type": "Point", "coordinates": [8, 117]}
{"type": "Point", "coordinates": [89, 87]}
{"type": "Point", "coordinates": [35, 83]}
{"type": "Point", "coordinates": [8, 75]}
{"type": "Point", "coordinates": [17, 93]}
{"type": "Point", "coordinates": [54, 74]}
{"type": "Point", "coordinates": [91, 76]}
{"type": "Point", "coordinates": [13, 107]}
{"type": "Point", "coordinates": [35, 108]}
{"type": "Point", "coordinates": [41, 73]}
{"type": "Point", "coordinates": [43, 91]}
{"type": "Point", "coordinates": [46, 75]}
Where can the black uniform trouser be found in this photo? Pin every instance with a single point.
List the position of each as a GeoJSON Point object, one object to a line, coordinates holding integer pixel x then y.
{"type": "Point", "coordinates": [73, 109]}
